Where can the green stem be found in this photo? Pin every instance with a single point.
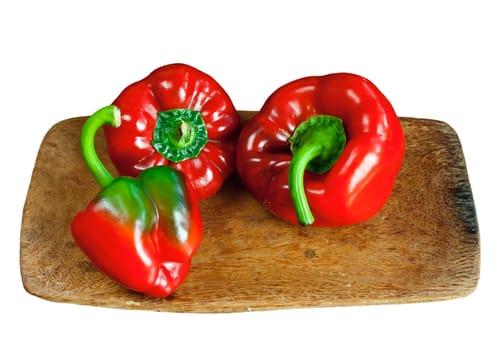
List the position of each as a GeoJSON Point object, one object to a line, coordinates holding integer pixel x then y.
{"type": "Point", "coordinates": [316, 144]}
{"type": "Point", "coordinates": [109, 115]}
{"type": "Point", "coordinates": [179, 134]}
{"type": "Point", "coordinates": [296, 170]}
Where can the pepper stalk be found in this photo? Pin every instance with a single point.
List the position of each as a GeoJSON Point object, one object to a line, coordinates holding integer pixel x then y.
{"type": "Point", "coordinates": [179, 134]}
{"type": "Point", "coordinates": [109, 115]}
{"type": "Point", "coordinates": [316, 144]}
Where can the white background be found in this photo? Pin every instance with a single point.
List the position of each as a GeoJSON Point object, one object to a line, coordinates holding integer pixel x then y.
{"type": "Point", "coordinates": [433, 59]}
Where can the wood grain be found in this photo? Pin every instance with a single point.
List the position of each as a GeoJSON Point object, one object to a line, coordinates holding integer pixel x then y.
{"type": "Point", "coordinates": [422, 246]}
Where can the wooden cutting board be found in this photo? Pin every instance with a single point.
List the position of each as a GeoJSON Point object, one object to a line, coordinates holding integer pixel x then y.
{"type": "Point", "coordinates": [422, 246]}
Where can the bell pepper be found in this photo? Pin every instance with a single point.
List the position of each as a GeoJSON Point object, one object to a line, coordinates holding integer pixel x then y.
{"type": "Point", "coordinates": [143, 231]}
{"type": "Point", "coordinates": [322, 151]}
{"type": "Point", "coordinates": [176, 116]}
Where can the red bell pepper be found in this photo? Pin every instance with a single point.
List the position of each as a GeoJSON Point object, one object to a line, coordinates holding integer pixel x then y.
{"type": "Point", "coordinates": [323, 151]}
{"type": "Point", "coordinates": [177, 116]}
{"type": "Point", "coordinates": [141, 232]}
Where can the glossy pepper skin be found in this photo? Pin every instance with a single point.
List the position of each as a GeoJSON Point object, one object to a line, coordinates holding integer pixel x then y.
{"type": "Point", "coordinates": [341, 114]}
{"type": "Point", "coordinates": [176, 116]}
{"type": "Point", "coordinates": [141, 232]}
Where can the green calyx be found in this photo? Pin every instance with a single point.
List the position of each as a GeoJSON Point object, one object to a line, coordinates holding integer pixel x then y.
{"type": "Point", "coordinates": [179, 134]}
{"type": "Point", "coordinates": [316, 144]}
{"type": "Point", "coordinates": [109, 115]}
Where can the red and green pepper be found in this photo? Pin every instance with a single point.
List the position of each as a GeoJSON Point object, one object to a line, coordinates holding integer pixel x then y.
{"type": "Point", "coordinates": [141, 232]}
{"type": "Point", "coordinates": [322, 151]}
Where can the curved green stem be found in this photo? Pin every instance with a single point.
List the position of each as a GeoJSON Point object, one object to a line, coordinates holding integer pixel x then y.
{"type": "Point", "coordinates": [109, 115]}
{"type": "Point", "coordinates": [316, 144]}
{"type": "Point", "coordinates": [296, 171]}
